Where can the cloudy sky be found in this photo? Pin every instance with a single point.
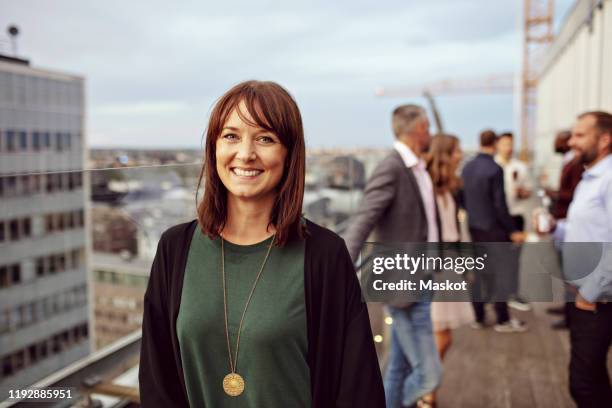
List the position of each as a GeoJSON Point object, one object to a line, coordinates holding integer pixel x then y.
{"type": "Point", "coordinates": [154, 68]}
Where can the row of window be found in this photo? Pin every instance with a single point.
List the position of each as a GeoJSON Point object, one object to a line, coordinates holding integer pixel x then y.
{"type": "Point", "coordinates": [35, 352]}
{"type": "Point", "coordinates": [103, 317]}
{"type": "Point", "coordinates": [50, 264]}
{"type": "Point", "coordinates": [122, 279]}
{"type": "Point", "coordinates": [21, 228]}
{"type": "Point", "coordinates": [15, 229]}
{"type": "Point", "coordinates": [54, 263]}
{"type": "Point", "coordinates": [12, 140]}
{"type": "Point", "coordinates": [17, 317]}
{"type": "Point", "coordinates": [10, 275]}
{"type": "Point", "coordinates": [63, 221]}
{"type": "Point", "coordinates": [28, 184]}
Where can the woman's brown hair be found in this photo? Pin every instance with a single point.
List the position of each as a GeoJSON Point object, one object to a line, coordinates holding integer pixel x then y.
{"type": "Point", "coordinates": [439, 164]}
{"type": "Point", "coordinates": [273, 109]}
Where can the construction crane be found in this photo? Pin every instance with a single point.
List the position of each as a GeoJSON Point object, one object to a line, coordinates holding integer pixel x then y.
{"type": "Point", "coordinates": [537, 33]}
{"type": "Point", "coordinates": [537, 37]}
{"type": "Point", "coordinates": [468, 86]}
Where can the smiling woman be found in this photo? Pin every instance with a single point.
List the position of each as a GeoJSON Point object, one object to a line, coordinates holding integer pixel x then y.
{"type": "Point", "coordinates": [252, 305]}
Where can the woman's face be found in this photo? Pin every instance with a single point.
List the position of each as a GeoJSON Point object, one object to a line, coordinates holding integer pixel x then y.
{"type": "Point", "coordinates": [456, 156]}
{"type": "Point", "coordinates": [250, 160]}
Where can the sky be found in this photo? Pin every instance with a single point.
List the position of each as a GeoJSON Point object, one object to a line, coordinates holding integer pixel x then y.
{"type": "Point", "coordinates": [154, 68]}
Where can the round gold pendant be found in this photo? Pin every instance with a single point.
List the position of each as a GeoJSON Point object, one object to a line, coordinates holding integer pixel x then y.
{"type": "Point", "coordinates": [233, 384]}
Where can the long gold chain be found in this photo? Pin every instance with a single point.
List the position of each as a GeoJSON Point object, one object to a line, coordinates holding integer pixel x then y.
{"type": "Point", "coordinates": [234, 362]}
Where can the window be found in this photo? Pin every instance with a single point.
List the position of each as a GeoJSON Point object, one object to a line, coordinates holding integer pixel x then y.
{"type": "Point", "coordinates": [52, 264]}
{"type": "Point", "coordinates": [47, 140]}
{"type": "Point", "coordinates": [11, 144]}
{"type": "Point", "coordinates": [27, 227]}
{"type": "Point", "coordinates": [16, 273]}
{"type": "Point", "coordinates": [1, 186]}
{"type": "Point", "coordinates": [49, 183]}
{"type": "Point", "coordinates": [7, 366]}
{"type": "Point", "coordinates": [56, 345]}
{"type": "Point", "coordinates": [44, 349]}
{"type": "Point", "coordinates": [49, 227]}
{"type": "Point", "coordinates": [58, 142]}
{"type": "Point", "coordinates": [60, 222]}
{"type": "Point", "coordinates": [84, 330]}
{"type": "Point", "coordinates": [76, 333]}
{"type": "Point", "coordinates": [67, 141]}
{"type": "Point", "coordinates": [66, 340]}
{"type": "Point", "coordinates": [40, 267]}
{"type": "Point", "coordinates": [36, 136]}
{"type": "Point", "coordinates": [61, 262]}
{"type": "Point", "coordinates": [4, 277]}
{"type": "Point", "coordinates": [2, 237]}
{"type": "Point", "coordinates": [36, 183]}
{"type": "Point", "coordinates": [5, 325]}
{"type": "Point", "coordinates": [81, 218]}
{"type": "Point", "coordinates": [11, 185]}
{"type": "Point", "coordinates": [23, 183]}
{"type": "Point", "coordinates": [68, 220]}
{"type": "Point", "coordinates": [23, 140]}
{"type": "Point", "coordinates": [19, 360]}
{"type": "Point", "coordinates": [33, 353]}
{"type": "Point", "coordinates": [14, 230]}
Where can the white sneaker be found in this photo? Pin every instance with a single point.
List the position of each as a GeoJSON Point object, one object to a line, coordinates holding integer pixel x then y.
{"type": "Point", "coordinates": [477, 325]}
{"type": "Point", "coordinates": [520, 305]}
{"type": "Point", "coordinates": [511, 326]}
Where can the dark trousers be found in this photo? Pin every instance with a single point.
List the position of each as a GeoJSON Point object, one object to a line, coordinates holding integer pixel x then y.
{"type": "Point", "coordinates": [486, 284]}
{"type": "Point", "coordinates": [591, 337]}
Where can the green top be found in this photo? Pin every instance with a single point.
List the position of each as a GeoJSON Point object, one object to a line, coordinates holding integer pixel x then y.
{"type": "Point", "coordinates": [273, 342]}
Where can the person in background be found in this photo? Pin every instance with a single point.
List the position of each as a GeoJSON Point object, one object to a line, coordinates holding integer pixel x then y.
{"type": "Point", "coordinates": [398, 205]}
{"type": "Point", "coordinates": [443, 160]}
{"type": "Point", "coordinates": [589, 219]}
{"type": "Point", "coordinates": [571, 173]}
{"type": "Point", "coordinates": [489, 221]}
{"type": "Point", "coordinates": [518, 188]}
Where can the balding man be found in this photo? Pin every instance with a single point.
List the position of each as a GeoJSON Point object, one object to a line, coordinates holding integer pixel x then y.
{"type": "Point", "coordinates": [398, 205]}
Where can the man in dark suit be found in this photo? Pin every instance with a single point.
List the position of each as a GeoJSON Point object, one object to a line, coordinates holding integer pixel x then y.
{"type": "Point", "coordinates": [398, 205]}
{"type": "Point", "coordinates": [489, 221]}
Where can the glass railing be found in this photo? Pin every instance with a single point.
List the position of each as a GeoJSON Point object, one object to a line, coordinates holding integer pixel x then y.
{"type": "Point", "coordinates": [100, 227]}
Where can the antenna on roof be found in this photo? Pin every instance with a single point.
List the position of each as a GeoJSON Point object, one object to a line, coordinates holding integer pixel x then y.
{"type": "Point", "coordinates": [13, 31]}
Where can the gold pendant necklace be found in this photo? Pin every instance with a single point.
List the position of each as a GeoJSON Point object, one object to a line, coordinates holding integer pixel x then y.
{"type": "Point", "coordinates": [233, 383]}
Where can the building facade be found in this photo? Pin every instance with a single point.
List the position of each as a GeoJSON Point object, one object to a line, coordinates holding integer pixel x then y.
{"type": "Point", "coordinates": [576, 78]}
{"type": "Point", "coordinates": [119, 283]}
{"type": "Point", "coordinates": [44, 318]}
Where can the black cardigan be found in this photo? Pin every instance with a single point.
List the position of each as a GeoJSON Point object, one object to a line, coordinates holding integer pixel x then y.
{"type": "Point", "coordinates": [344, 370]}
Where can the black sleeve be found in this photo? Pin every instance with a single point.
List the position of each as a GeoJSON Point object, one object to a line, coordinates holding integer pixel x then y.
{"type": "Point", "coordinates": [360, 381]}
{"type": "Point", "coordinates": [158, 375]}
{"type": "Point", "coordinates": [499, 202]}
